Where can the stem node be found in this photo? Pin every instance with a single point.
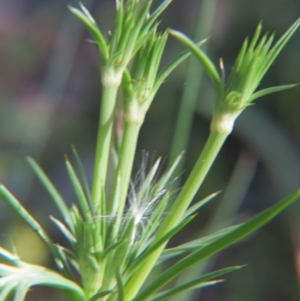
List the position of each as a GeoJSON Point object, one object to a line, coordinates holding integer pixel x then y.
{"type": "Point", "coordinates": [223, 124]}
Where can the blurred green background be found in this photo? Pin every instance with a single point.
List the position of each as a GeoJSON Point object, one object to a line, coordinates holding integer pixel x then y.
{"type": "Point", "coordinates": [49, 99]}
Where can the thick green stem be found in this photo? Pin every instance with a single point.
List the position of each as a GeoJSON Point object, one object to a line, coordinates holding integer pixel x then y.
{"type": "Point", "coordinates": [124, 168]}
{"type": "Point", "coordinates": [109, 94]}
{"type": "Point", "coordinates": [220, 128]}
{"type": "Point", "coordinates": [208, 155]}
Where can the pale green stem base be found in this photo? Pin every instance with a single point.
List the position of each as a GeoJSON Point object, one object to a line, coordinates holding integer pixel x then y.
{"type": "Point", "coordinates": [206, 159]}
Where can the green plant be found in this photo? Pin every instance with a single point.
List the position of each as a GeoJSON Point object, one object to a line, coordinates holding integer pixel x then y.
{"type": "Point", "coordinates": [116, 239]}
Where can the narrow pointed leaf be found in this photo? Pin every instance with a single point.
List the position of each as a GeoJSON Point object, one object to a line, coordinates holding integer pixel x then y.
{"type": "Point", "coordinates": [93, 29]}
{"type": "Point", "coordinates": [86, 210]}
{"type": "Point", "coordinates": [154, 220]}
{"type": "Point", "coordinates": [28, 275]}
{"type": "Point", "coordinates": [87, 13]}
{"type": "Point", "coordinates": [255, 38]}
{"type": "Point", "coordinates": [271, 90]}
{"type": "Point", "coordinates": [134, 34]}
{"type": "Point", "coordinates": [154, 16]}
{"type": "Point", "coordinates": [83, 177]}
{"type": "Point", "coordinates": [241, 55]}
{"type": "Point", "coordinates": [194, 284]}
{"type": "Point", "coordinates": [237, 234]}
{"type": "Point", "coordinates": [183, 288]}
{"type": "Point", "coordinates": [14, 204]}
{"type": "Point", "coordinates": [7, 287]}
{"type": "Point", "coordinates": [64, 230]}
{"type": "Point", "coordinates": [52, 191]}
{"type": "Point", "coordinates": [160, 242]}
{"type": "Point", "coordinates": [202, 57]}
{"type": "Point", "coordinates": [117, 29]}
{"type": "Point", "coordinates": [100, 295]}
{"type": "Point", "coordinates": [120, 286]}
{"type": "Point", "coordinates": [168, 175]}
{"type": "Point", "coordinates": [172, 65]}
{"type": "Point", "coordinates": [199, 204]}
{"type": "Point", "coordinates": [194, 245]}
{"type": "Point", "coordinates": [9, 257]}
{"type": "Point", "coordinates": [113, 247]}
{"type": "Point", "coordinates": [146, 181]}
{"type": "Point", "coordinates": [280, 44]}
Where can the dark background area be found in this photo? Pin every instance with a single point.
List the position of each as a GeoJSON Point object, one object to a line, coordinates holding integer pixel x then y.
{"type": "Point", "coordinates": [49, 99]}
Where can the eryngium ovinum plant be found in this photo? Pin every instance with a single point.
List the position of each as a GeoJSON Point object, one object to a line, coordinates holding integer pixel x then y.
{"type": "Point", "coordinates": [115, 239]}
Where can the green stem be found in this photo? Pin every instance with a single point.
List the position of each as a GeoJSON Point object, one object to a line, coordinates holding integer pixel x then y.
{"type": "Point", "coordinates": [190, 188]}
{"type": "Point", "coordinates": [109, 94]}
{"type": "Point", "coordinates": [124, 168]}
{"type": "Point", "coordinates": [218, 134]}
